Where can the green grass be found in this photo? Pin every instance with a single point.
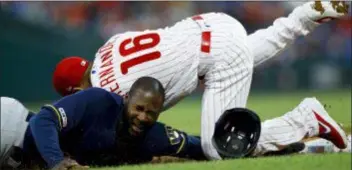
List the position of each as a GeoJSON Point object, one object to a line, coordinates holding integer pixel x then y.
{"type": "Point", "coordinates": [186, 116]}
{"type": "Point", "coordinates": [301, 162]}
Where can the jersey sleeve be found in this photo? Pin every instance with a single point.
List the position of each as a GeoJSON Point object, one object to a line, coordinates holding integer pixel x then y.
{"type": "Point", "coordinates": [163, 140]}
{"type": "Point", "coordinates": [61, 117]}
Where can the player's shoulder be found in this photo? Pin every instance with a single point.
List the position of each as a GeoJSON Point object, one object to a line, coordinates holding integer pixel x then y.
{"type": "Point", "coordinates": [95, 91]}
{"type": "Point", "coordinates": [102, 95]}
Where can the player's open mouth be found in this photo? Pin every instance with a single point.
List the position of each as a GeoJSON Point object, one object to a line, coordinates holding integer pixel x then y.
{"type": "Point", "coordinates": [136, 130]}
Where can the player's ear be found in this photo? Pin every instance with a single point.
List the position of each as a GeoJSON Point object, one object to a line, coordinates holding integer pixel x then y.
{"type": "Point", "coordinates": [126, 97]}
{"type": "Point", "coordinates": [76, 89]}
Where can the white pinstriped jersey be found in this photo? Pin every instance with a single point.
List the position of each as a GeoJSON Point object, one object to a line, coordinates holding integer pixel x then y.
{"type": "Point", "coordinates": [228, 68]}
{"type": "Point", "coordinates": [175, 59]}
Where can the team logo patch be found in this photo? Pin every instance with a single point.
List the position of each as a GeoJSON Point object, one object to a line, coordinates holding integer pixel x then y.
{"type": "Point", "coordinates": [63, 117]}
{"type": "Point", "coordinates": [175, 137]}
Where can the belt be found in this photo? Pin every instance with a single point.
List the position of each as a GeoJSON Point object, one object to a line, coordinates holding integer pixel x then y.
{"type": "Point", "coordinates": [206, 34]}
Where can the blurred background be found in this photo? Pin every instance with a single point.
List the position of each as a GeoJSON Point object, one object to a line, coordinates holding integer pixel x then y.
{"type": "Point", "coordinates": [34, 36]}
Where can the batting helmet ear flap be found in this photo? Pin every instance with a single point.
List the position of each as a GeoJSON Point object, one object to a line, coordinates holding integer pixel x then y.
{"type": "Point", "coordinates": [236, 133]}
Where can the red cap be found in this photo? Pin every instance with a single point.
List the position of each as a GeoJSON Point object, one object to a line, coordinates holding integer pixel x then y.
{"type": "Point", "coordinates": [68, 74]}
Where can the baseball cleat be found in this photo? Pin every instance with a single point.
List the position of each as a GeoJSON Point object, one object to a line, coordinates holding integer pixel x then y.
{"type": "Point", "coordinates": [328, 128]}
{"type": "Point", "coordinates": [326, 11]}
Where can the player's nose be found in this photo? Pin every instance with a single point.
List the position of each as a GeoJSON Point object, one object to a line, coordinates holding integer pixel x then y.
{"type": "Point", "coordinates": [143, 117]}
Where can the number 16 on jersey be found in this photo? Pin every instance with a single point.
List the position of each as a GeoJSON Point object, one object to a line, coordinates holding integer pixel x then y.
{"type": "Point", "coordinates": [150, 40]}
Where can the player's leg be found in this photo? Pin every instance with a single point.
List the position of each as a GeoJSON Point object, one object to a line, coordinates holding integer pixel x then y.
{"type": "Point", "coordinates": [311, 145]}
{"type": "Point", "coordinates": [269, 42]}
{"type": "Point", "coordinates": [13, 126]}
{"type": "Point", "coordinates": [227, 86]}
{"type": "Point", "coordinates": [218, 98]}
{"type": "Point", "coordinates": [308, 119]}
{"type": "Point", "coordinates": [228, 80]}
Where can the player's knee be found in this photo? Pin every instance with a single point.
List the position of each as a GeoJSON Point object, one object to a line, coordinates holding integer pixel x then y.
{"type": "Point", "coordinates": [7, 101]}
{"type": "Point", "coordinates": [11, 106]}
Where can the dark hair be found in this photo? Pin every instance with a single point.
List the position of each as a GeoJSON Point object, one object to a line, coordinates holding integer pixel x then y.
{"type": "Point", "coordinates": [148, 84]}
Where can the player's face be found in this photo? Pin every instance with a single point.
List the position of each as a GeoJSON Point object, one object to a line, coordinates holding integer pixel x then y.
{"type": "Point", "coordinates": [143, 110]}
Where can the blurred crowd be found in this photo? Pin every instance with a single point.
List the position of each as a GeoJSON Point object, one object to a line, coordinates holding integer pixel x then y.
{"type": "Point", "coordinates": [332, 41]}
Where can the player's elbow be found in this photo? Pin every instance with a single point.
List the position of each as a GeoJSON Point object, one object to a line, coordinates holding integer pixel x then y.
{"type": "Point", "coordinates": [35, 126]}
{"type": "Point", "coordinates": [36, 123]}
{"type": "Point", "coordinates": [42, 120]}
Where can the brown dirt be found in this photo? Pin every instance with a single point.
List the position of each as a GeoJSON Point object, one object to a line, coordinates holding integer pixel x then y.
{"type": "Point", "coordinates": [167, 159]}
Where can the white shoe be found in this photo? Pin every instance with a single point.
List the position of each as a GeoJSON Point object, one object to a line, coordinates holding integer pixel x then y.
{"type": "Point", "coordinates": [328, 128]}
{"type": "Point", "coordinates": [326, 10]}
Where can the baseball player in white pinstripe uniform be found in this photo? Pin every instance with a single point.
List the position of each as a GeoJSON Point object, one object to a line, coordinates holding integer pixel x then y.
{"type": "Point", "coordinates": [216, 47]}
